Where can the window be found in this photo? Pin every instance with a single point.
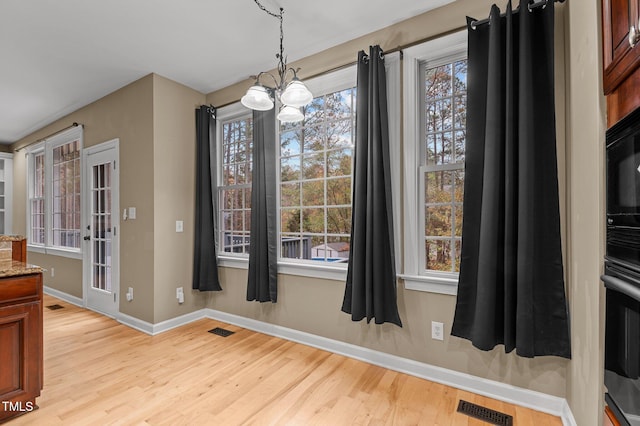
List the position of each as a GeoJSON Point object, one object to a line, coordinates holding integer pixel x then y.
{"type": "Point", "coordinates": [66, 195]}
{"type": "Point", "coordinates": [315, 180]}
{"type": "Point", "coordinates": [234, 191]}
{"type": "Point", "coordinates": [54, 205]}
{"type": "Point", "coordinates": [442, 169]}
{"type": "Point", "coordinates": [36, 201]}
{"type": "Point", "coordinates": [435, 134]}
{"type": "Point", "coordinates": [315, 165]}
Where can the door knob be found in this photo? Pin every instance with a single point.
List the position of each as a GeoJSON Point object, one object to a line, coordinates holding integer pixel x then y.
{"type": "Point", "coordinates": [87, 237]}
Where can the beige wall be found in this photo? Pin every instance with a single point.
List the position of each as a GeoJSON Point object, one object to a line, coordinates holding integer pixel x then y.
{"type": "Point", "coordinates": [126, 114]}
{"type": "Point", "coordinates": [313, 305]}
{"type": "Point", "coordinates": [174, 190]}
{"type": "Point", "coordinates": [585, 173]}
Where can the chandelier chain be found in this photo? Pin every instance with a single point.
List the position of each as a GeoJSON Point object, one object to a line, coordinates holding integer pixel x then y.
{"type": "Point", "coordinates": [282, 65]}
{"type": "Point", "coordinates": [264, 9]}
{"type": "Point", "coordinates": [292, 95]}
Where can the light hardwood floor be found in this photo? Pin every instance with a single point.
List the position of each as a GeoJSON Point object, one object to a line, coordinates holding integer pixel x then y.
{"type": "Point", "coordinates": [98, 372]}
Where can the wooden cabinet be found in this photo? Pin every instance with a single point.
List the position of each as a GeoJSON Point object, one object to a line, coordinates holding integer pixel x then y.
{"type": "Point", "coordinates": [21, 357]}
{"type": "Point", "coordinates": [621, 75]}
{"type": "Point", "coordinates": [619, 21]}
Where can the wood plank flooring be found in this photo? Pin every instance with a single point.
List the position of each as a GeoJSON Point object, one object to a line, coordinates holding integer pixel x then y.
{"type": "Point", "coordinates": [99, 372]}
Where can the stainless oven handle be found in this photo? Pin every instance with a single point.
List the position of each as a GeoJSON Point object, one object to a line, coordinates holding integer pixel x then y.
{"type": "Point", "coordinates": [621, 286]}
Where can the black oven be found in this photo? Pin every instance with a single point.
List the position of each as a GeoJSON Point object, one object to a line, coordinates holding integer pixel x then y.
{"type": "Point", "coordinates": [623, 190]}
{"type": "Point", "coordinates": [622, 270]}
{"type": "Point", "coordinates": [622, 343]}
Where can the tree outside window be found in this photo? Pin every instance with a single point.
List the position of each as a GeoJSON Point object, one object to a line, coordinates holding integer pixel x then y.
{"type": "Point", "coordinates": [315, 180]}
{"type": "Point", "coordinates": [443, 164]}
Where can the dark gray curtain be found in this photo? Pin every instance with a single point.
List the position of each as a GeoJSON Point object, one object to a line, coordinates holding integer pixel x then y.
{"type": "Point", "coordinates": [263, 263]}
{"type": "Point", "coordinates": [205, 267]}
{"type": "Point", "coordinates": [511, 287]}
{"type": "Point", "coordinates": [371, 278]}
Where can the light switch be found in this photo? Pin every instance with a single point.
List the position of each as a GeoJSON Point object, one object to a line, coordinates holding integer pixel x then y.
{"type": "Point", "coordinates": [179, 226]}
{"type": "Point", "coordinates": [132, 212]}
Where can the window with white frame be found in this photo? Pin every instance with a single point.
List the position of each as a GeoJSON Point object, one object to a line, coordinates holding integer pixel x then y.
{"type": "Point", "coordinates": [316, 157]}
{"type": "Point", "coordinates": [234, 190]}
{"type": "Point", "coordinates": [435, 135]}
{"type": "Point", "coordinates": [315, 165]}
{"type": "Point", "coordinates": [36, 200]}
{"type": "Point", "coordinates": [442, 168]}
{"type": "Point", "coordinates": [54, 206]}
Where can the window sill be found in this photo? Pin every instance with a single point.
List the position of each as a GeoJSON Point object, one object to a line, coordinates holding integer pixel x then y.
{"type": "Point", "coordinates": [291, 268]}
{"type": "Point", "coordinates": [431, 284]}
{"type": "Point", "coordinates": [233, 262]}
{"type": "Point", "coordinates": [326, 272]}
{"type": "Point", "coordinates": [72, 254]}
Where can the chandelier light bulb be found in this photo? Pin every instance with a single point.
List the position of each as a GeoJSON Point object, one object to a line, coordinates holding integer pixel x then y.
{"type": "Point", "coordinates": [258, 98]}
{"type": "Point", "coordinates": [296, 94]}
{"type": "Point", "coordinates": [289, 114]}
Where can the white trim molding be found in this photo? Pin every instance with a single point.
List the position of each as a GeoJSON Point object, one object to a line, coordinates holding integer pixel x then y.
{"type": "Point", "coordinates": [429, 54]}
{"type": "Point", "coordinates": [63, 296]}
{"type": "Point", "coordinates": [501, 391]}
{"type": "Point", "coordinates": [153, 329]}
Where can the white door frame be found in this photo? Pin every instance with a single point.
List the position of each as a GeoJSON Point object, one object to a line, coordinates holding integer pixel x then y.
{"type": "Point", "coordinates": [113, 145]}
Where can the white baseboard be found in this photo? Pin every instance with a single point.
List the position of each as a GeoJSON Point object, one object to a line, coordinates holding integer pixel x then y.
{"type": "Point", "coordinates": [501, 391]}
{"type": "Point", "coordinates": [153, 329]}
{"type": "Point", "coordinates": [63, 296]}
{"type": "Point", "coordinates": [135, 323]}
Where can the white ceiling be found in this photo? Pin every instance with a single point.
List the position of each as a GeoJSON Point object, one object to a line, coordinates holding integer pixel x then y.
{"type": "Point", "coordinates": [57, 56]}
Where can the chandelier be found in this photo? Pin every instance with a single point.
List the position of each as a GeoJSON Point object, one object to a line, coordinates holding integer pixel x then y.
{"type": "Point", "coordinates": [292, 94]}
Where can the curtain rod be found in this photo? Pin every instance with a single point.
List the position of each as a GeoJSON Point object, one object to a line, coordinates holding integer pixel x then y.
{"type": "Point", "coordinates": [400, 48]}
{"type": "Point", "coordinates": [535, 5]}
{"type": "Point", "coordinates": [74, 124]}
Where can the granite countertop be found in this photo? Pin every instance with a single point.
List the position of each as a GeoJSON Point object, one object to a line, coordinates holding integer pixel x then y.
{"type": "Point", "coordinates": [11, 238]}
{"type": "Point", "coordinates": [12, 268]}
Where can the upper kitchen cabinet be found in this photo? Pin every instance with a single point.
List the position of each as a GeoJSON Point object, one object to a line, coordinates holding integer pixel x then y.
{"type": "Point", "coordinates": [620, 35]}
{"type": "Point", "coordinates": [621, 57]}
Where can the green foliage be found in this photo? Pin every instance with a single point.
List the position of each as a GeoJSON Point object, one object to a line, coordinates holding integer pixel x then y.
{"type": "Point", "coordinates": [315, 169]}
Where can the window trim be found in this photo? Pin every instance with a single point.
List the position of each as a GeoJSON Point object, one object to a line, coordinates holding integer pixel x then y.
{"type": "Point", "coordinates": [332, 82]}
{"type": "Point", "coordinates": [30, 155]}
{"type": "Point", "coordinates": [335, 81]}
{"type": "Point", "coordinates": [47, 146]}
{"type": "Point", "coordinates": [225, 114]}
{"type": "Point", "coordinates": [431, 53]}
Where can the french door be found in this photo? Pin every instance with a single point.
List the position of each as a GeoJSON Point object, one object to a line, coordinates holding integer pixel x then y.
{"type": "Point", "coordinates": [101, 235]}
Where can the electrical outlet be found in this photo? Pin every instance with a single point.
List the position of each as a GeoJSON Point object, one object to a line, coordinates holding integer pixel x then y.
{"type": "Point", "coordinates": [53, 272]}
{"type": "Point", "coordinates": [130, 294]}
{"type": "Point", "coordinates": [437, 330]}
{"type": "Point", "coordinates": [180, 295]}
{"type": "Point", "coordinates": [179, 226]}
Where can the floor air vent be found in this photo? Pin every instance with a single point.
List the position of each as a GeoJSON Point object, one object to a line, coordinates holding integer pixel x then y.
{"type": "Point", "coordinates": [55, 307]}
{"type": "Point", "coordinates": [484, 414]}
{"type": "Point", "coordinates": [221, 332]}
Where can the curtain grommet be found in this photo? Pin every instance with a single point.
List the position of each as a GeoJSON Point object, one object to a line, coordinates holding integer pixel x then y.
{"type": "Point", "coordinates": [529, 4]}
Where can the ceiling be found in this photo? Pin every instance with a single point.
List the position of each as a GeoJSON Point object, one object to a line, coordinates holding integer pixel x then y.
{"type": "Point", "coordinates": [57, 56]}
